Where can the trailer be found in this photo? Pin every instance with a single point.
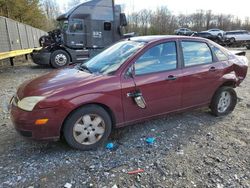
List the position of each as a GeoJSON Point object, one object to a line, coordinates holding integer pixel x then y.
{"type": "Point", "coordinates": [84, 31]}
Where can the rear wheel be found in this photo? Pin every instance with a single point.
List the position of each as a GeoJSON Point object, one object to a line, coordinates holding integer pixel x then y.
{"type": "Point", "coordinates": [224, 101]}
{"type": "Point", "coordinates": [87, 128]}
{"type": "Point", "coordinates": [59, 58]}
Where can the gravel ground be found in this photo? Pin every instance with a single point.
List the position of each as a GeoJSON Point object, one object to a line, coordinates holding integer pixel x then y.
{"type": "Point", "coordinates": [191, 149]}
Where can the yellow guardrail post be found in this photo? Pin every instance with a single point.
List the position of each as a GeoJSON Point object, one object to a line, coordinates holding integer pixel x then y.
{"type": "Point", "coordinates": [14, 53]}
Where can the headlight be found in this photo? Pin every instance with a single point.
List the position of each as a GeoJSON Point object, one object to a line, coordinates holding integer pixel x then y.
{"type": "Point", "coordinates": [28, 103]}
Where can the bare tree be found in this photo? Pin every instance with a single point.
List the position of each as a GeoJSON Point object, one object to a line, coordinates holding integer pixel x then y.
{"type": "Point", "coordinates": [183, 20]}
{"type": "Point", "coordinates": [162, 21]}
{"type": "Point", "coordinates": [51, 11]}
{"type": "Point", "coordinates": [208, 18]}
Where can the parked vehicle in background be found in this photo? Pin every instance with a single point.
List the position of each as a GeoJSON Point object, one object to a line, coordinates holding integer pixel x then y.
{"type": "Point", "coordinates": [184, 31]}
{"type": "Point", "coordinates": [216, 32]}
{"type": "Point", "coordinates": [237, 36]}
{"type": "Point", "coordinates": [133, 80]}
{"type": "Point", "coordinates": [207, 35]}
{"type": "Point", "coordinates": [85, 30]}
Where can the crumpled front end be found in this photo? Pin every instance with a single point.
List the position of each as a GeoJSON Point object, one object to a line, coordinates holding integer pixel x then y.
{"type": "Point", "coordinates": [41, 57]}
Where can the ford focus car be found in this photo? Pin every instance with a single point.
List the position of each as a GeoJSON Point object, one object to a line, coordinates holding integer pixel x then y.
{"type": "Point", "coordinates": [134, 80]}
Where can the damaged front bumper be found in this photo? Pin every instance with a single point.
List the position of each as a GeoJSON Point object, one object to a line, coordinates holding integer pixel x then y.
{"type": "Point", "coordinates": [41, 57]}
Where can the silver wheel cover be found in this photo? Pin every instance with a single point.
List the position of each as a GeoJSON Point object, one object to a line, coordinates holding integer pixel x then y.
{"type": "Point", "coordinates": [224, 101]}
{"type": "Point", "coordinates": [89, 129]}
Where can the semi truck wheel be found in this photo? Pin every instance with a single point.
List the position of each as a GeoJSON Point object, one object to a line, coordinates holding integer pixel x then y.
{"type": "Point", "coordinates": [59, 58]}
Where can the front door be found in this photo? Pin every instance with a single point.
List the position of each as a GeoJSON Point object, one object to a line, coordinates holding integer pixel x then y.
{"type": "Point", "coordinates": [156, 77]}
{"type": "Point", "coordinates": [75, 36]}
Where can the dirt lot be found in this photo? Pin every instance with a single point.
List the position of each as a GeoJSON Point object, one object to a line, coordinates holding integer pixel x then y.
{"type": "Point", "coordinates": [192, 149]}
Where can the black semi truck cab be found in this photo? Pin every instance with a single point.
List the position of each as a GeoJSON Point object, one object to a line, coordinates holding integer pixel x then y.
{"type": "Point", "coordinates": [84, 31]}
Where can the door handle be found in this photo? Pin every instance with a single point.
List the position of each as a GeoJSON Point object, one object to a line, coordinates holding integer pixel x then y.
{"type": "Point", "coordinates": [134, 94]}
{"type": "Point", "coordinates": [171, 77]}
{"type": "Point", "coordinates": [212, 69]}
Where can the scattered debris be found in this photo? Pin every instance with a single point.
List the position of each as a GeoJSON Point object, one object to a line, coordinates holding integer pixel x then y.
{"type": "Point", "coordinates": [220, 185]}
{"type": "Point", "coordinates": [150, 140]}
{"type": "Point", "coordinates": [115, 186]}
{"type": "Point", "coordinates": [136, 171]}
{"type": "Point", "coordinates": [180, 152]}
{"type": "Point", "coordinates": [184, 153]}
{"type": "Point", "coordinates": [67, 185]}
{"type": "Point", "coordinates": [110, 146]}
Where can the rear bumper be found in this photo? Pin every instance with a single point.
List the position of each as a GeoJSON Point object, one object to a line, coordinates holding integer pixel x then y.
{"type": "Point", "coordinates": [24, 123]}
{"type": "Point", "coordinates": [41, 57]}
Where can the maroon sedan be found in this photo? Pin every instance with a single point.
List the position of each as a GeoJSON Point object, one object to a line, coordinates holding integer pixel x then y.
{"type": "Point", "coordinates": [133, 80]}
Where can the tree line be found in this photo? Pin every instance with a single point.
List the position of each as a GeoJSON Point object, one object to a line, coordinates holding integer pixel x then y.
{"type": "Point", "coordinates": [162, 21]}
{"type": "Point", "coordinates": [37, 13]}
{"type": "Point", "coordinates": [42, 14]}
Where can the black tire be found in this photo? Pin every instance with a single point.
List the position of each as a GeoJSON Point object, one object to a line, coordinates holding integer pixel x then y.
{"type": "Point", "coordinates": [215, 109]}
{"type": "Point", "coordinates": [70, 125]}
{"type": "Point", "coordinates": [232, 40]}
{"type": "Point", "coordinates": [220, 35]}
{"type": "Point", "coordinates": [59, 58]}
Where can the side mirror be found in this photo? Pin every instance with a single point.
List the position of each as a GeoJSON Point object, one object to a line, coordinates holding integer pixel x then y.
{"type": "Point", "coordinates": [139, 100]}
{"type": "Point", "coordinates": [123, 20]}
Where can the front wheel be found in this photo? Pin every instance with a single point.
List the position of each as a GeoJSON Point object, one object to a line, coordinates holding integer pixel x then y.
{"type": "Point", "coordinates": [224, 101]}
{"type": "Point", "coordinates": [87, 127]}
{"type": "Point", "coordinates": [59, 58]}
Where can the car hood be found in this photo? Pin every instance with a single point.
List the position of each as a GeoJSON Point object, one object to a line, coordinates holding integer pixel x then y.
{"type": "Point", "coordinates": [55, 82]}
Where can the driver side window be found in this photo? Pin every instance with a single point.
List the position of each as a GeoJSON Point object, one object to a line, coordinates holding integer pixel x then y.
{"type": "Point", "coordinates": [76, 26]}
{"type": "Point", "coordinates": [162, 57]}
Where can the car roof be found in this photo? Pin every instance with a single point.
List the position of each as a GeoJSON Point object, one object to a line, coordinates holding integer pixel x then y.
{"type": "Point", "coordinates": [237, 31]}
{"type": "Point", "coordinates": [152, 38]}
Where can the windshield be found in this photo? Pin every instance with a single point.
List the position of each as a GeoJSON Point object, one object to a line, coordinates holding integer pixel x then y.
{"type": "Point", "coordinates": [112, 58]}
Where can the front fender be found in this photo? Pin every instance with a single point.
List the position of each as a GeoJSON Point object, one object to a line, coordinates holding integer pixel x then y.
{"type": "Point", "coordinates": [112, 102]}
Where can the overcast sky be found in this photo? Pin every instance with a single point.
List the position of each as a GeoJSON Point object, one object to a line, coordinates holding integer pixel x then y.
{"type": "Point", "coordinates": [240, 8]}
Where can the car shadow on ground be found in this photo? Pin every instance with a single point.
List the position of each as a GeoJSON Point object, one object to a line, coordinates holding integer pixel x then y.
{"type": "Point", "coordinates": [165, 128]}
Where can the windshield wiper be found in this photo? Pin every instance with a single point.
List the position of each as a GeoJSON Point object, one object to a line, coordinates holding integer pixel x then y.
{"type": "Point", "coordinates": [84, 68]}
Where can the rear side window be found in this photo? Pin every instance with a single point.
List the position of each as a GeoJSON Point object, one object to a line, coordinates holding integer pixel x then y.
{"type": "Point", "coordinates": [159, 58]}
{"type": "Point", "coordinates": [196, 53]}
{"type": "Point", "coordinates": [221, 56]}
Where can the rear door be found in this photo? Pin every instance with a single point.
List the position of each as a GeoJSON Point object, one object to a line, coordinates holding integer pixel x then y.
{"type": "Point", "coordinates": [201, 73]}
{"type": "Point", "coordinates": [157, 78]}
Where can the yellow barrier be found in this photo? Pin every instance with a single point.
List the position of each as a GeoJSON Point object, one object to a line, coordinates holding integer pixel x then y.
{"type": "Point", "coordinates": [14, 53]}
